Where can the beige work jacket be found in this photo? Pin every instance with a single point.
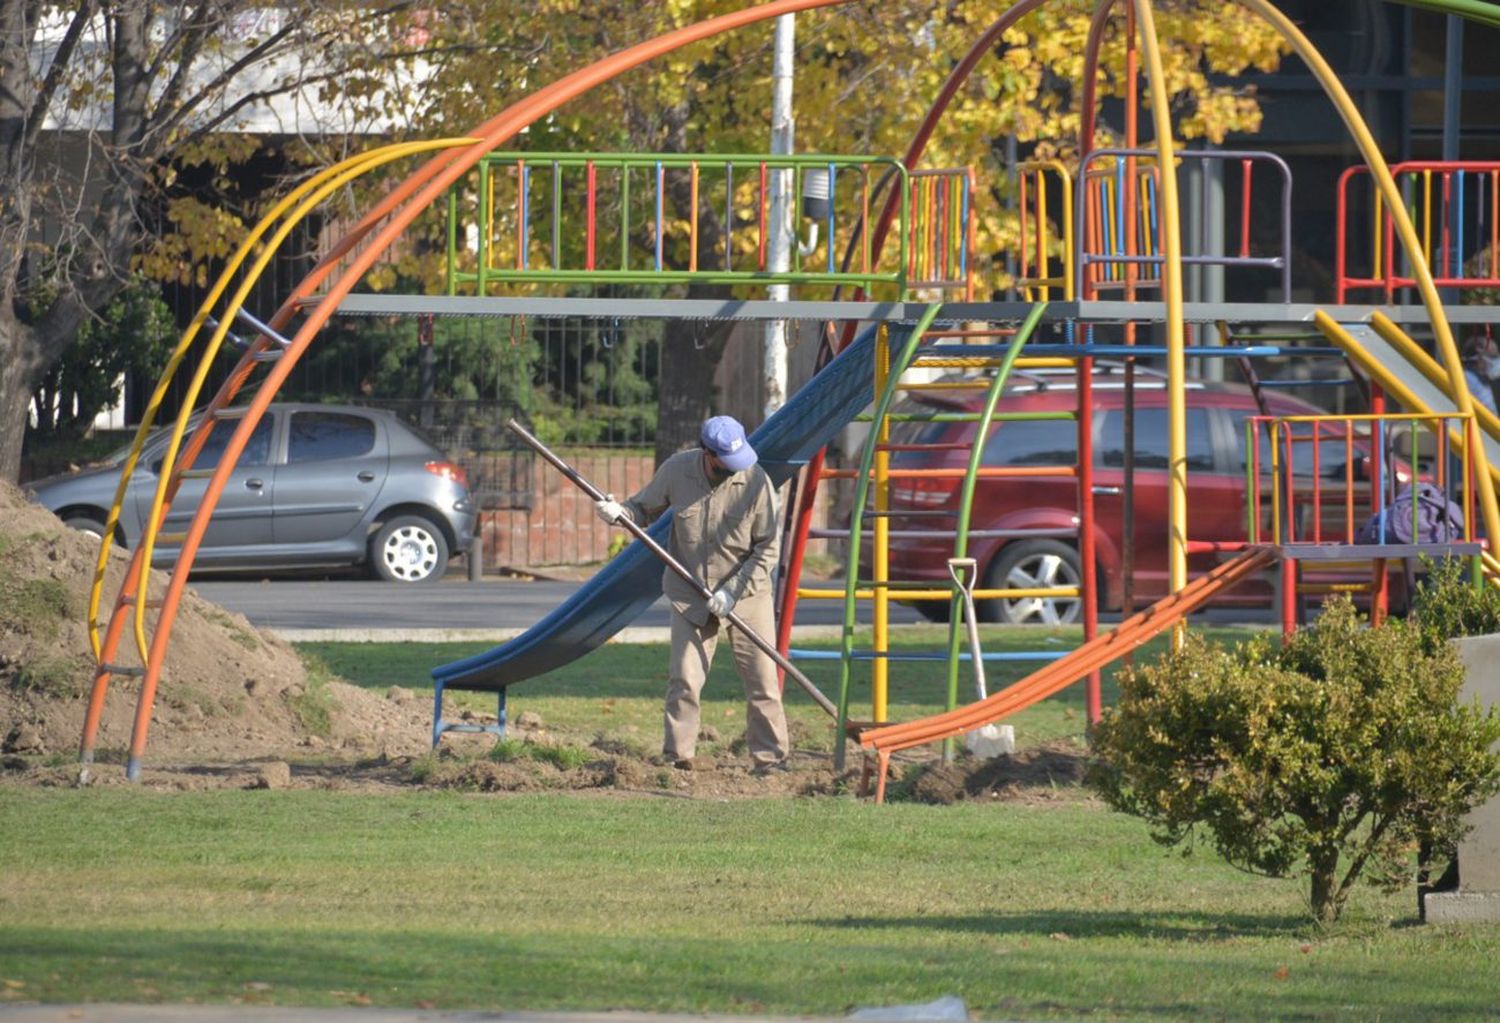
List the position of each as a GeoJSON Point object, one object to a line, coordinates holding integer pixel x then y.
{"type": "Point", "coordinates": [725, 535]}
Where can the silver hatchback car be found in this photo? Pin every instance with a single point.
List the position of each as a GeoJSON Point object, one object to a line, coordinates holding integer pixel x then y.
{"type": "Point", "coordinates": [317, 485]}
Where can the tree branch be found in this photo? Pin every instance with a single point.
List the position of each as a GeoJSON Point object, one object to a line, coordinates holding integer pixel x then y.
{"type": "Point", "coordinates": [192, 36]}
{"type": "Point", "coordinates": [249, 99]}
{"type": "Point", "coordinates": [52, 81]}
{"type": "Point", "coordinates": [1357, 865]}
{"type": "Point", "coordinates": [180, 110]}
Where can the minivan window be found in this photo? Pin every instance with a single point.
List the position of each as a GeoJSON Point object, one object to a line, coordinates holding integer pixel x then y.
{"type": "Point", "coordinates": [915, 431]}
{"type": "Point", "coordinates": [1331, 449]}
{"type": "Point", "coordinates": [1033, 442]}
{"type": "Point", "coordinates": [321, 436]}
{"type": "Point", "coordinates": [1151, 450]}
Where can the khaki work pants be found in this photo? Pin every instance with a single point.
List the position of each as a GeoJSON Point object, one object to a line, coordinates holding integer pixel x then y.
{"type": "Point", "coordinates": [692, 653]}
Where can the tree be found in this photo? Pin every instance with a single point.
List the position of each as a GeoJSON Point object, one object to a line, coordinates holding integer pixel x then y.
{"type": "Point", "coordinates": [1332, 758]}
{"type": "Point", "coordinates": [103, 103]}
{"type": "Point", "coordinates": [867, 74]}
{"type": "Point", "coordinates": [132, 335]}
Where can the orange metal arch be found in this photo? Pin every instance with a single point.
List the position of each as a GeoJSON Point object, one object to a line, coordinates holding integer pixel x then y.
{"type": "Point", "coordinates": [393, 215]}
{"type": "Point", "coordinates": [132, 590]}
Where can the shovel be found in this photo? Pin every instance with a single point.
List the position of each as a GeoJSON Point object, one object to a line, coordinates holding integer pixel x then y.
{"type": "Point", "coordinates": [766, 646]}
{"type": "Point", "coordinates": [989, 740]}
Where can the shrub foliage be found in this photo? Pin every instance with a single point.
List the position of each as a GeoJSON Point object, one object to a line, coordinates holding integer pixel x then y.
{"type": "Point", "coordinates": [1330, 758]}
{"type": "Point", "coordinates": [1447, 604]}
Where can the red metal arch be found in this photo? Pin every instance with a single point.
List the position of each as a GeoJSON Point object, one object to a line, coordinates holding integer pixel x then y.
{"type": "Point", "coordinates": [807, 491]}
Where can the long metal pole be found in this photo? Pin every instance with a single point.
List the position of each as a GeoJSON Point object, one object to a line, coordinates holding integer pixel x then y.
{"type": "Point", "coordinates": [676, 566]}
{"type": "Point", "coordinates": [1171, 293]}
{"type": "Point", "coordinates": [783, 131]}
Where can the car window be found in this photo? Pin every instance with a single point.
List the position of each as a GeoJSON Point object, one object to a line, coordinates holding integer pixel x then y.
{"type": "Point", "coordinates": [1033, 442]}
{"type": "Point", "coordinates": [916, 432]}
{"type": "Point", "coordinates": [1331, 449]}
{"type": "Point", "coordinates": [257, 448]}
{"type": "Point", "coordinates": [1151, 450]}
{"type": "Point", "coordinates": [321, 436]}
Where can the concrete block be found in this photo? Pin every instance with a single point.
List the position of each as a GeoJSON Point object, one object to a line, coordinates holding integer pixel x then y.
{"type": "Point", "coordinates": [1461, 907]}
{"type": "Point", "coordinates": [1479, 851]}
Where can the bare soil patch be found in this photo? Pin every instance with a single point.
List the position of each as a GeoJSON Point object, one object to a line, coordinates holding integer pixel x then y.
{"type": "Point", "coordinates": [237, 708]}
{"type": "Point", "coordinates": [1050, 772]}
{"type": "Point", "coordinates": [229, 693]}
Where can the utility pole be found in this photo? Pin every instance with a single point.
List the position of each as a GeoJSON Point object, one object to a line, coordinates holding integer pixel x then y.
{"type": "Point", "coordinates": [783, 129]}
{"type": "Point", "coordinates": [1453, 97]}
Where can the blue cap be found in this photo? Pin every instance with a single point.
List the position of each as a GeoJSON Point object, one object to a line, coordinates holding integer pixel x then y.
{"type": "Point", "coordinates": [724, 437]}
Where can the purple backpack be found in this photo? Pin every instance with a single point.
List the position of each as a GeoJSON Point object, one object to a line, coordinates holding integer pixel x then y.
{"type": "Point", "coordinates": [1438, 519]}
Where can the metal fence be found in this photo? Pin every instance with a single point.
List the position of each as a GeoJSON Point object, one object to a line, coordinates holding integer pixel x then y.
{"type": "Point", "coordinates": [587, 386]}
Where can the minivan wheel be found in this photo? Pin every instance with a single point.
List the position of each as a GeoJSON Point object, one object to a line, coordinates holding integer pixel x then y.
{"type": "Point", "coordinates": [933, 610]}
{"type": "Point", "coordinates": [409, 549]}
{"type": "Point", "coordinates": [1033, 564]}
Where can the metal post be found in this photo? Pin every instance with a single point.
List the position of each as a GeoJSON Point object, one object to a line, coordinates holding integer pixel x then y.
{"type": "Point", "coordinates": [1012, 180]}
{"type": "Point", "coordinates": [476, 556]}
{"type": "Point", "coordinates": [426, 369]}
{"type": "Point", "coordinates": [1453, 87]}
{"type": "Point", "coordinates": [783, 131]}
{"type": "Point", "coordinates": [1211, 178]}
{"type": "Point", "coordinates": [1453, 94]}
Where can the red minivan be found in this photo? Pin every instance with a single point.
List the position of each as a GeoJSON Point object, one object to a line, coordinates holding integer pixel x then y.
{"type": "Point", "coordinates": [1046, 506]}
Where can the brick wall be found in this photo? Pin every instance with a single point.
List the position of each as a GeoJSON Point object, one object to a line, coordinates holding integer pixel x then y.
{"type": "Point", "coordinates": [560, 527]}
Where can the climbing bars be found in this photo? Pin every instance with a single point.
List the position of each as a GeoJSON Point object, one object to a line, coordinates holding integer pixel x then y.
{"type": "Point", "coordinates": [620, 216]}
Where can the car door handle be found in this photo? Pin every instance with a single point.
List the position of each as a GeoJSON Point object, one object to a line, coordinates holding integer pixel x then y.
{"type": "Point", "coordinates": [255, 483]}
{"type": "Point", "coordinates": [1106, 490]}
{"type": "Point", "coordinates": [366, 477]}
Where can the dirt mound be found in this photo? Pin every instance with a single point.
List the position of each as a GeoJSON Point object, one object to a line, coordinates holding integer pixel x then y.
{"type": "Point", "coordinates": [228, 692]}
{"type": "Point", "coordinates": [1046, 772]}
{"type": "Point", "coordinates": [526, 766]}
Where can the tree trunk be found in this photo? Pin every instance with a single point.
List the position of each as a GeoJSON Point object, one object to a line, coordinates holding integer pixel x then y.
{"type": "Point", "coordinates": [685, 396]}
{"type": "Point", "coordinates": [1327, 901]}
{"type": "Point", "coordinates": [17, 377]}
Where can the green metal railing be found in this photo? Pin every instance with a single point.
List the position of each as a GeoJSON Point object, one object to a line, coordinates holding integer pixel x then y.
{"type": "Point", "coordinates": [609, 218]}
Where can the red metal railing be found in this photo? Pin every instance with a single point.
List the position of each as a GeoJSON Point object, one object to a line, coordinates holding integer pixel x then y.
{"type": "Point", "coordinates": [1455, 207]}
{"type": "Point", "coordinates": [1303, 504]}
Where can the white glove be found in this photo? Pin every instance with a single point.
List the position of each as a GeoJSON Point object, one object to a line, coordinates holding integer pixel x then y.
{"type": "Point", "coordinates": [720, 604]}
{"type": "Point", "coordinates": [609, 510]}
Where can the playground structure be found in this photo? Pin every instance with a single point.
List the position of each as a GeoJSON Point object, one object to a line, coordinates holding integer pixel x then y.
{"type": "Point", "coordinates": [1113, 267]}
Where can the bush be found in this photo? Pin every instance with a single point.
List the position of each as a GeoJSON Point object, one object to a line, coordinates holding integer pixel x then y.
{"type": "Point", "coordinates": [1332, 757]}
{"type": "Point", "coordinates": [1447, 604]}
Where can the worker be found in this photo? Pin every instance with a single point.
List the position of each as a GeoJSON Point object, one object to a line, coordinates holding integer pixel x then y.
{"type": "Point", "coordinates": [1482, 368]}
{"type": "Point", "coordinates": [725, 533]}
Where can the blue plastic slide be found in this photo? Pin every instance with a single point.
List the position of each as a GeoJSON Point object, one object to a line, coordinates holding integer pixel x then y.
{"type": "Point", "coordinates": [631, 582]}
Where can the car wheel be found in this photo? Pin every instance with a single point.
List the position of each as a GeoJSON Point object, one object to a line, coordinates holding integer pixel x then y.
{"type": "Point", "coordinates": [409, 549]}
{"type": "Point", "coordinates": [85, 524]}
{"type": "Point", "coordinates": [1033, 564]}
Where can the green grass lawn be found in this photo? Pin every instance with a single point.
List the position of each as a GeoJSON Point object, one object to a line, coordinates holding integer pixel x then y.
{"type": "Point", "coordinates": [1036, 908]}
{"type": "Point", "coordinates": [617, 690]}
{"type": "Point", "coordinates": [780, 906]}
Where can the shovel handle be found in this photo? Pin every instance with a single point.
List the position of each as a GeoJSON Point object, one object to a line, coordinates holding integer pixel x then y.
{"type": "Point", "coordinates": [766, 647]}
{"type": "Point", "coordinates": [963, 571]}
